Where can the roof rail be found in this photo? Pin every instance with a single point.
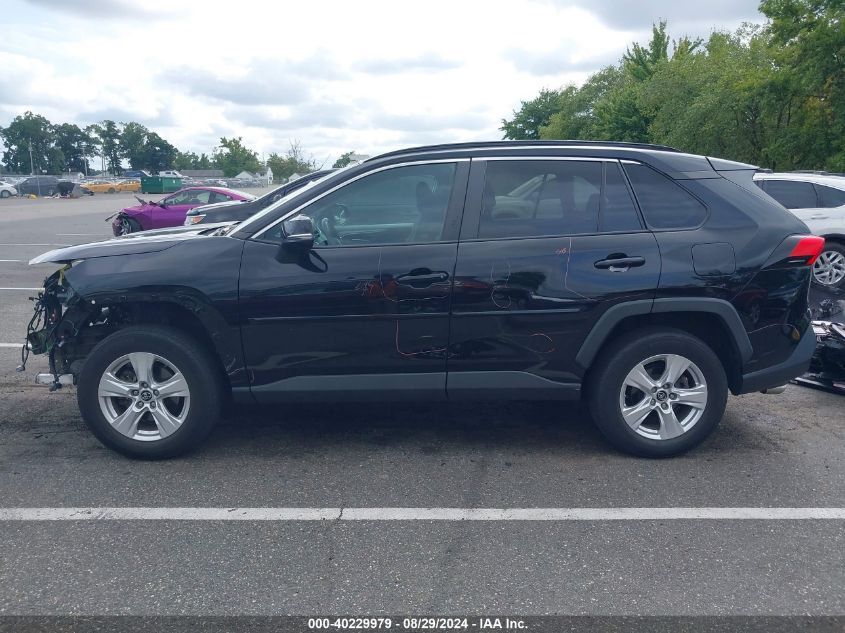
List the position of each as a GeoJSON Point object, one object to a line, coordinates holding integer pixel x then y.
{"type": "Point", "coordinates": [817, 172]}
{"type": "Point", "coordinates": [494, 144]}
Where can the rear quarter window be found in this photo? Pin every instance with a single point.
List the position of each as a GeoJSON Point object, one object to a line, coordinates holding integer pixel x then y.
{"type": "Point", "coordinates": [830, 197]}
{"type": "Point", "coordinates": [664, 203]}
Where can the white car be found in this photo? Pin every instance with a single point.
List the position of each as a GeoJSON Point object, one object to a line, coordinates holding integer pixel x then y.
{"type": "Point", "coordinates": [7, 190]}
{"type": "Point", "coordinates": [818, 199]}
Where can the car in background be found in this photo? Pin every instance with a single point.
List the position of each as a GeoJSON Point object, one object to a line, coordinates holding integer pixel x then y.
{"type": "Point", "coordinates": [171, 210]}
{"type": "Point", "coordinates": [240, 211]}
{"type": "Point", "coordinates": [38, 186]}
{"type": "Point", "coordinates": [818, 199]}
{"type": "Point", "coordinates": [7, 190]}
{"type": "Point", "coordinates": [105, 186]}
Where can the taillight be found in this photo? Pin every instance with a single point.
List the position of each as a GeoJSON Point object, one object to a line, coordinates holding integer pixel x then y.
{"type": "Point", "coordinates": [807, 250]}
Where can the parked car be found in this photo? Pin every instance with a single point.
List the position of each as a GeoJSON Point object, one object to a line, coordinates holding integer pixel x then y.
{"type": "Point", "coordinates": [238, 211]}
{"type": "Point", "coordinates": [7, 190]}
{"type": "Point", "coordinates": [646, 282]}
{"type": "Point", "coordinates": [38, 185]}
{"type": "Point", "coordinates": [818, 199]}
{"type": "Point", "coordinates": [171, 210]}
{"type": "Point", "coordinates": [106, 186]}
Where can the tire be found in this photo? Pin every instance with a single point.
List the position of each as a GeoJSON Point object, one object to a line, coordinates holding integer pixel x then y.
{"type": "Point", "coordinates": [127, 226]}
{"type": "Point", "coordinates": [166, 426]}
{"type": "Point", "coordinates": [652, 431]}
{"type": "Point", "coordinates": [829, 269]}
{"type": "Point", "coordinates": [112, 190]}
{"type": "Point", "coordinates": [5, 194]}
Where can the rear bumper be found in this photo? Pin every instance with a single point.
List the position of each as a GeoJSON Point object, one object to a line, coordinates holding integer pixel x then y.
{"type": "Point", "coordinates": [792, 367]}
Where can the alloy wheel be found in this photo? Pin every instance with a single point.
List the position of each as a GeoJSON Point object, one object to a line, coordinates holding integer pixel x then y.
{"type": "Point", "coordinates": [663, 397]}
{"type": "Point", "coordinates": [144, 396]}
{"type": "Point", "coordinates": [829, 268]}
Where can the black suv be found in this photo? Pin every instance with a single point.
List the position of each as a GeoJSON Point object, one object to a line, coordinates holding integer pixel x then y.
{"type": "Point", "coordinates": [38, 186]}
{"type": "Point", "coordinates": [645, 281]}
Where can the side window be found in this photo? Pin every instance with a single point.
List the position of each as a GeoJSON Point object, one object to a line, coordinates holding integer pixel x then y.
{"type": "Point", "coordinates": [830, 197]}
{"type": "Point", "coordinates": [533, 198]}
{"type": "Point", "coordinates": [792, 194]}
{"type": "Point", "coordinates": [664, 203]}
{"type": "Point", "coordinates": [399, 205]}
{"type": "Point", "coordinates": [617, 208]}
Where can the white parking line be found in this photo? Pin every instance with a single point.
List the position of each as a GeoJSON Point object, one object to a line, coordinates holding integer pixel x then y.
{"type": "Point", "coordinates": [22, 289]}
{"type": "Point", "coordinates": [15, 345]}
{"type": "Point", "coordinates": [21, 244]}
{"type": "Point", "coordinates": [419, 514]}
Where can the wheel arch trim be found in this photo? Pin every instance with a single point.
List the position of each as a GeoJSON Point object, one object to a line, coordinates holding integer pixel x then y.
{"type": "Point", "coordinates": [614, 315]}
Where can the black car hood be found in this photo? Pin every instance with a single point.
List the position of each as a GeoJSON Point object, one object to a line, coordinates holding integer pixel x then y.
{"type": "Point", "coordinates": [133, 244]}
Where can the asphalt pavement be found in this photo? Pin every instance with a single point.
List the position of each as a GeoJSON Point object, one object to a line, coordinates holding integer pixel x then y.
{"type": "Point", "coordinates": [770, 452]}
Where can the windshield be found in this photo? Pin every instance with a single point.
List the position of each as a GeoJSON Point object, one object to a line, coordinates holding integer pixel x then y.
{"type": "Point", "coordinates": [255, 219]}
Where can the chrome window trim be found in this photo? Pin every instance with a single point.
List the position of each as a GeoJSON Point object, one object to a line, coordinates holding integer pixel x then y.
{"type": "Point", "coordinates": [349, 182]}
{"type": "Point", "coordinates": [590, 159]}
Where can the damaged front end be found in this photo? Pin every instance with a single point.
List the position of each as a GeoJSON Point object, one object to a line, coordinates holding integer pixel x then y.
{"type": "Point", "coordinates": [63, 326]}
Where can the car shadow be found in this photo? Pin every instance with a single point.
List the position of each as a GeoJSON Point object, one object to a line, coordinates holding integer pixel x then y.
{"type": "Point", "coordinates": [550, 427]}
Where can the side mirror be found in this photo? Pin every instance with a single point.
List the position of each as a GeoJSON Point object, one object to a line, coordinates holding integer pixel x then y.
{"type": "Point", "coordinates": [298, 232]}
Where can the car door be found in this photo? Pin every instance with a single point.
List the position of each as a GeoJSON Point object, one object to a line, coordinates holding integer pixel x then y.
{"type": "Point", "coordinates": [175, 207]}
{"type": "Point", "coordinates": [365, 313]}
{"type": "Point", "coordinates": [547, 246]}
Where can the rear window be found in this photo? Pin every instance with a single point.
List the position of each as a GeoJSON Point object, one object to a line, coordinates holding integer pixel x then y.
{"type": "Point", "coordinates": [534, 198]}
{"type": "Point", "coordinates": [830, 197]}
{"type": "Point", "coordinates": [792, 194]}
{"type": "Point", "coordinates": [664, 203]}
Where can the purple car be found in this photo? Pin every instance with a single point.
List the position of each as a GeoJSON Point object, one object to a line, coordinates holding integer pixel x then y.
{"type": "Point", "coordinates": [170, 211]}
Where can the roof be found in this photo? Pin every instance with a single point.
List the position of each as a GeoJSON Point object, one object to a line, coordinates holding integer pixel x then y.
{"type": "Point", "coordinates": [832, 180]}
{"type": "Point", "coordinates": [424, 149]}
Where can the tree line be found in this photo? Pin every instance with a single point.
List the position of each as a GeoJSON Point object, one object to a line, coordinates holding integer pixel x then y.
{"type": "Point", "coordinates": [772, 95]}
{"type": "Point", "coordinates": [34, 144]}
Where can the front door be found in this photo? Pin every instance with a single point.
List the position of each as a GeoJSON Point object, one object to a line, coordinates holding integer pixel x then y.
{"type": "Point", "coordinates": [366, 312]}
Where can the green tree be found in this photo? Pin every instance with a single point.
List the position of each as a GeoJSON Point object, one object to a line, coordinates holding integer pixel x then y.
{"type": "Point", "coordinates": [25, 132]}
{"type": "Point", "coordinates": [343, 161]}
{"type": "Point", "coordinates": [133, 145]}
{"type": "Point", "coordinates": [531, 116]}
{"type": "Point", "coordinates": [108, 137]}
{"type": "Point", "coordinates": [576, 116]}
{"type": "Point", "coordinates": [158, 154]}
{"type": "Point", "coordinates": [74, 144]}
{"type": "Point", "coordinates": [293, 161]}
{"type": "Point", "coordinates": [808, 47]}
{"type": "Point", "coordinates": [232, 157]}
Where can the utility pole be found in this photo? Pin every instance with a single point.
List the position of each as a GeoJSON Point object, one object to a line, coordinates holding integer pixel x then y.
{"type": "Point", "coordinates": [31, 166]}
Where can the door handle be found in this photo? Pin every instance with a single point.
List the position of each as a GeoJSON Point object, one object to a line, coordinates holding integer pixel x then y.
{"type": "Point", "coordinates": [422, 276]}
{"type": "Point", "coordinates": [619, 264]}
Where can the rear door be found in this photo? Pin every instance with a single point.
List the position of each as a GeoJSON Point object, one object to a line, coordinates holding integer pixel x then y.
{"type": "Point", "coordinates": [547, 246]}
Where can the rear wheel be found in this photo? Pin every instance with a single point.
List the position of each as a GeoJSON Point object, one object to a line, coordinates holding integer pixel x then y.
{"type": "Point", "coordinates": [829, 268]}
{"type": "Point", "coordinates": [657, 392]}
{"type": "Point", "coordinates": [149, 392]}
{"type": "Point", "coordinates": [4, 194]}
{"type": "Point", "coordinates": [112, 189]}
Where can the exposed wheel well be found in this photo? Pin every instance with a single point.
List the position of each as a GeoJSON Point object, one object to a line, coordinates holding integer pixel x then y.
{"type": "Point", "coordinates": [706, 326]}
{"type": "Point", "coordinates": [835, 237]}
{"type": "Point", "coordinates": [147, 313]}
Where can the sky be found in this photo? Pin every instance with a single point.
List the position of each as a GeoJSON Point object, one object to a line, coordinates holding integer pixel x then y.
{"type": "Point", "coordinates": [334, 75]}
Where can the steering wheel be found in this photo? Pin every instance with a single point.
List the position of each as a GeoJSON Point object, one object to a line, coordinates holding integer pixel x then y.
{"type": "Point", "coordinates": [328, 225]}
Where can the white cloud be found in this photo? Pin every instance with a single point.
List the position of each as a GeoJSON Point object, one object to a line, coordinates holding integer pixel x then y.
{"type": "Point", "coordinates": [371, 75]}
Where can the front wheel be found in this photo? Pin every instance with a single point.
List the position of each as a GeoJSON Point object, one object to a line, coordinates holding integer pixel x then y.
{"type": "Point", "coordinates": [657, 392]}
{"type": "Point", "coordinates": [829, 268]}
{"type": "Point", "coordinates": [4, 194]}
{"type": "Point", "coordinates": [125, 226]}
{"type": "Point", "coordinates": [149, 392]}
